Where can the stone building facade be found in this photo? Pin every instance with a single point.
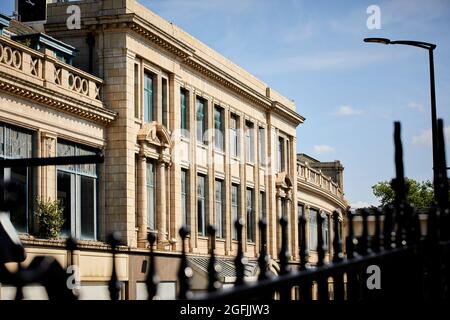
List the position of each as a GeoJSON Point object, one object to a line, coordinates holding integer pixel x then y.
{"type": "Point", "coordinates": [189, 138]}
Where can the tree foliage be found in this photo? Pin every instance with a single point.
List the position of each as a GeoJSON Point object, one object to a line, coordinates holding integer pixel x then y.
{"type": "Point", "coordinates": [419, 194]}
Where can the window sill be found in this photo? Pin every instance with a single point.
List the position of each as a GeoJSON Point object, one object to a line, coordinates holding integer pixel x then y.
{"type": "Point", "coordinates": [252, 164]}
{"type": "Point", "coordinates": [219, 151]}
{"type": "Point", "coordinates": [202, 145]}
{"type": "Point", "coordinates": [137, 121]}
{"type": "Point", "coordinates": [235, 158]}
{"type": "Point", "coordinates": [184, 138]}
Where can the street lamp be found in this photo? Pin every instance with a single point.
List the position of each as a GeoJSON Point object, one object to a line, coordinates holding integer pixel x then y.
{"type": "Point", "coordinates": [430, 47]}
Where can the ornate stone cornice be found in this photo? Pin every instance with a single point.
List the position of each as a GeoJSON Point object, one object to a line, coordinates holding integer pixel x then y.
{"type": "Point", "coordinates": [55, 100]}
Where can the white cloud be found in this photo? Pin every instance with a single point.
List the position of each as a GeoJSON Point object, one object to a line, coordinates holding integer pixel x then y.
{"type": "Point", "coordinates": [348, 111]}
{"type": "Point", "coordinates": [360, 204]}
{"type": "Point", "coordinates": [323, 148]}
{"type": "Point", "coordinates": [416, 106]}
{"type": "Point", "coordinates": [425, 137]}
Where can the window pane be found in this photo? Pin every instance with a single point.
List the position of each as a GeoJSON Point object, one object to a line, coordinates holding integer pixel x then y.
{"type": "Point", "coordinates": [18, 214]}
{"type": "Point", "coordinates": [262, 204]}
{"type": "Point", "coordinates": [183, 112]}
{"type": "Point", "coordinates": [234, 209]}
{"type": "Point", "coordinates": [88, 207]}
{"type": "Point", "coordinates": [151, 218]}
{"type": "Point", "coordinates": [234, 136]}
{"type": "Point", "coordinates": [201, 213]}
{"type": "Point", "coordinates": [148, 97]}
{"type": "Point", "coordinates": [184, 198]}
{"type": "Point", "coordinates": [280, 154]}
{"type": "Point", "coordinates": [200, 120]}
{"type": "Point", "coordinates": [250, 216]}
{"type": "Point", "coordinates": [219, 210]}
{"type": "Point", "coordinates": [313, 229]}
{"type": "Point", "coordinates": [249, 141]}
{"type": "Point", "coordinates": [218, 127]}
{"type": "Point", "coordinates": [65, 198]}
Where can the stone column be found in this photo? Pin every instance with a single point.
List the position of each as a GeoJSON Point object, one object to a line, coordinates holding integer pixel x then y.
{"type": "Point", "coordinates": [277, 227]}
{"type": "Point", "coordinates": [192, 170]}
{"type": "Point", "coordinates": [142, 200]}
{"type": "Point", "coordinates": [294, 206]}
{"type": "Point", "coordinates": [161, 204]}
{"type": "Point", "coordinates": [290, 221]}
{"type": "Point", "coordinates": [48, 173]}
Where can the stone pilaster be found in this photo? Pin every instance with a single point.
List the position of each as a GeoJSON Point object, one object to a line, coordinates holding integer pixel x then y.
{"type": "Point", "coordinates": [142, 200]}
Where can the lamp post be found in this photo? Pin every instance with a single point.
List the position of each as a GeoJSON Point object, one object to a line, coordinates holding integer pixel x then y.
{"type": "Point", "coordinates": [430, 47]}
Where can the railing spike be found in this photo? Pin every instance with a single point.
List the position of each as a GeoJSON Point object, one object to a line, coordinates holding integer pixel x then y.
{"type": "Point", "coordinates": [239, 262]}
{"type": "Point", "coordinates": [320, 242]}
{"type": "Point", "coordinates": [363, 245]}
{"type": "Point", "coordinates": [213, 268]}
{"type": "Point", "coordinates": [351, 241]}
{"type": "Point", "coordinates": [114, 285]}
{"type": "Point", "coordinates": [184, 271]}
{"type": "Point", "coordinates": [284, 252]}
{"type": "Point", "coordinates": [263, 259]}
{"type": "Point", "coordinates": [337, 242]}
{"type": "Point", "coordinates": [376, 239]}
{"type": "Point", "coordinates": [152, 280]}
{"type": "Point", "coordinates": [302, 245]}
{"type": "Point", "coordinates": [388, 227]}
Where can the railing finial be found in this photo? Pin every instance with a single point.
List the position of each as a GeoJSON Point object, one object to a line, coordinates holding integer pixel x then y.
{"type": "Point", "coordinates": [152, 280]}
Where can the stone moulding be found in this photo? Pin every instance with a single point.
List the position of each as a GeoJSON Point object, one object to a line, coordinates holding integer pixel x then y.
{"type": "Point", "coordinates": [49, 98]}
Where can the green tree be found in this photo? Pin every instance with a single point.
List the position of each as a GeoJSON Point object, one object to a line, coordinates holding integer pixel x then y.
{"type": "Point", "coordinates": [419, 194]}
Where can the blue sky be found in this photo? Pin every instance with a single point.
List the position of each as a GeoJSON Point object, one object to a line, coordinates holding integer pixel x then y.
{"type": "Point", "coordinates": [350, 92]}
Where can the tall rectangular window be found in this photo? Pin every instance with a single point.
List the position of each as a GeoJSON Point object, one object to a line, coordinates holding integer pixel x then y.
{"type": "Point", "coordinates": [250, 216]}
{"type": "Point", "coordinates": [234, 209]}
{"type": "Point", "coordinates": [280, 154]}
{"type": "Point", "coordinates": [220, 221]}
{"type": "Point", "coordinates": [249, 142]}
{"type": "Point", "coordinates": [262, 146]}
{"type": "Point", "coordinates": [201, 206]}
{"type": "Point", "coordinates": [77, 192]}
{"type": "Point", "coordinates": [301, 213]}
{"type": "Point", "coordinates": [151, 195]}
{"type": "Point", "coordinates": [136, 91]}
{"type": "Point", "coordinates": [313, 229]}
{"type": "Point", "coordinates": [201, 119]}
{"type": "Point", "coordinates": [164, 101]}
{"type": "Point", "coordinates": [17, 143]}
{"type": "Point", "coordinates": [325, 223]}
{"type": "Point", "coordinates": [185, 198]}
{"type": "Point", "coordinates": [148, 97]}
{"type": "Point", "coordinates": [218, 127]}
{"type": "Point", "coordinates": [262, 205]}
{"type": "Point", "coordinates": [183, 112]}
{"type": "Point", "coordinates": [234, 139]}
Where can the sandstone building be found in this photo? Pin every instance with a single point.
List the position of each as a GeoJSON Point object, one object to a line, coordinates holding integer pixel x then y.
{"type": "Point", "coordinates": [189, 138]}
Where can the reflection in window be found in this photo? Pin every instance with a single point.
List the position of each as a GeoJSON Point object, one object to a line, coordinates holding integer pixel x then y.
{"type": "Point", "coordinates": [234, 209]}
{"type": "Point", "coordinates": [148, 98]}
{"type": "Point", "coordinates": [201, 120]}
{"type": "Point", "coordinates": [220, 223]}
{"type": "Point", "coordinates": [17, 143]}
{"type": "Point", "coordinates": [77, 192]}
{"type": "Point", "coordinates": [250, 216]}
{"type": "Point", "coordinates": [201, 210]}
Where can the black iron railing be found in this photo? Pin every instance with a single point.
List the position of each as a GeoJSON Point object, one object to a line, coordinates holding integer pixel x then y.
{"type": "Point", "coordinates": [397, 261]}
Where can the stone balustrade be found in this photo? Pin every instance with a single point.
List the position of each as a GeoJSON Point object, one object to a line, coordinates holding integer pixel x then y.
{"type": "Point", "coordinates": [317, 178]}
{"type": "Point", "coordinates": [45, 70]}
